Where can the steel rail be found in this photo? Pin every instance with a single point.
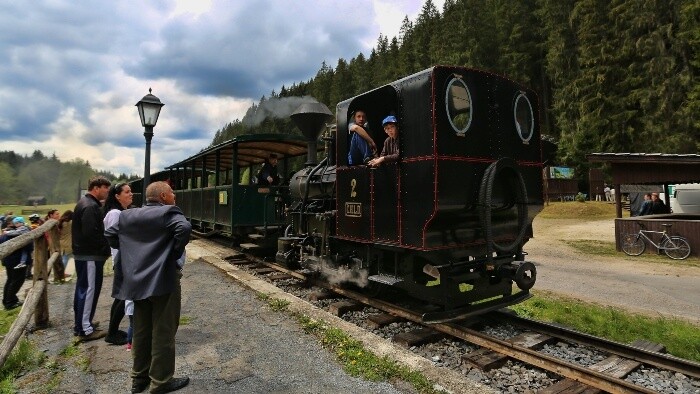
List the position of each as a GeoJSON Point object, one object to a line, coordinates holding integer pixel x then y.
{"type": "Point", "coordinates": [660, 360]}
{"type": "Point", "coordinates": [532, 357]}
{"type": "Point", "coordinates": [560, 367]}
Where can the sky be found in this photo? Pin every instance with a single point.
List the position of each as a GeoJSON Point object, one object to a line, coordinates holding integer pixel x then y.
{"type": "Point", "coordinates": [71, 71]}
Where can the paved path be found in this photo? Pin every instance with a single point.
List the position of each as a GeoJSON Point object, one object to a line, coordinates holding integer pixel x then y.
{"type": "Point", "coordinates": [232, 343]}
{"type": "Point", "coordinates": [656, 287]}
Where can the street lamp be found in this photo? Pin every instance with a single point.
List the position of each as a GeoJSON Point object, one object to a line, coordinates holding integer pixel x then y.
{"type": "Point", "coordinates": [149, 109]}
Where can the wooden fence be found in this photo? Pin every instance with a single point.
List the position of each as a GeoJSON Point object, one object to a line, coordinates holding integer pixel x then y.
{"type": "Point", "coordinates": [36, 303]}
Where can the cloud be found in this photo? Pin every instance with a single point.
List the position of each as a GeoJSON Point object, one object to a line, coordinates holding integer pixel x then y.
{"type": "Point", "coordinates": [71, 71]}
{"type": "Point", "coordinates": [250, 48]}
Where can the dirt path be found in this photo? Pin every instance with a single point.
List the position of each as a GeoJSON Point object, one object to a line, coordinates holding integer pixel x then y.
{"type": "Point", "coordinates": [637, 284]}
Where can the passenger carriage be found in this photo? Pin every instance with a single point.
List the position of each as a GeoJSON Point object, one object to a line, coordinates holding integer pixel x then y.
{"type": "Point", "coordinates": [217, 189]}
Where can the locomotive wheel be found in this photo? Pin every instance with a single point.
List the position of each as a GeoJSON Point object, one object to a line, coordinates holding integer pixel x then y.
{"type": "Point", "coordinates": [676, 248]}
{"type": "Point", "coordinates": [525, 275]}
{"type": "Point", "coordinates": [633, 244]}
{"type": "Point", "coordinates": [503, 167]}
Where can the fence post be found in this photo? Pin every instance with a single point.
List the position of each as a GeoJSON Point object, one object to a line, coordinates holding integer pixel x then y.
{"type": "Point", "coordinates": [41, 315]}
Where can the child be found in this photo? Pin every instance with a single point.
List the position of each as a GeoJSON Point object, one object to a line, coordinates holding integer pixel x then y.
{"type": "Point", "coordinates": [129, 311]}
{"type": "Point", "coordinates": [390, 152]}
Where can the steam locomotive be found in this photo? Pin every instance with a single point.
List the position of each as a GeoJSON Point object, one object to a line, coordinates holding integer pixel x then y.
{"type": "Point", "coordinates": [446, 224]}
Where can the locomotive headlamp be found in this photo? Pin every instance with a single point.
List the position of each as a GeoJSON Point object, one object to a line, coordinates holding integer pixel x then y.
{"type": "Point", "coordinates": [149, 109]}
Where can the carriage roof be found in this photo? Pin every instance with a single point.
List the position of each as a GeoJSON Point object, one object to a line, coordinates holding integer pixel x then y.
{"type": "Point", "coordinates": [250, 149]}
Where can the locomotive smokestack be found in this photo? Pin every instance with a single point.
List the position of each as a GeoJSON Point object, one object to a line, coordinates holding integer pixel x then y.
{"type": "Point", "coordinates": [311, 119]}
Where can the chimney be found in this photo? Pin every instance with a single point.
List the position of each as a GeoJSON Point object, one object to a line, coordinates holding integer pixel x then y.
{"type": "Point", "coordinates": [311, 119]}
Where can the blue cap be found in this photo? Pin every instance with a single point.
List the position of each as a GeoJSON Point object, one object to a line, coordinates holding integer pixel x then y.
{"type": "Point", "coordinates": [389, 119]}
{"type": "Point", "coordinates": [18, 219]}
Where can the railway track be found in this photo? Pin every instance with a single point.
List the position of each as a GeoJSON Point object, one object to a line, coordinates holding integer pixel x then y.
{"type": "Point", "coordinates": [606, 375]}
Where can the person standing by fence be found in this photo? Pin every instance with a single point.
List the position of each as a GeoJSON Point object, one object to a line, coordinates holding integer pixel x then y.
{"type": "Point", "coordinates": [16, 263]}
{"type": "Point", "coordinates": [119, 198]}
{"type": "Point", "coordinates": [59, 272]}
{"type": "Point", "coordinates": [90, 251]}
{"type": "Point", "coordinates": [65, 224]}
{"type": "Point", "coordinates": [150, 240]}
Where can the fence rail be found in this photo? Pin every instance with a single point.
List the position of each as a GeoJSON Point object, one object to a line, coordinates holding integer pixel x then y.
{"type": "Point", "coordinates": [36, 303]}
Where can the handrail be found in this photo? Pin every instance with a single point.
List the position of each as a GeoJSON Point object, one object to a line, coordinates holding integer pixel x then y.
{"type": "Point", "coordinates": [36, 302]}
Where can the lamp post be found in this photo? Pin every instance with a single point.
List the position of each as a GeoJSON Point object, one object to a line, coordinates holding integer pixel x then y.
{"type": "Point", "coordinates": [149, 109]}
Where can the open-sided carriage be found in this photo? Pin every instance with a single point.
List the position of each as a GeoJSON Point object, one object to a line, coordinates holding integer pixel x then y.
{"type": "Point", "coordinates": [217, 189]}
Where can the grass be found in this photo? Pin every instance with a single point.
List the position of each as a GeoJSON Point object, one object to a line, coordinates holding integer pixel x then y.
{"type": "Point", "coordinates": [73, 351]}
{"type": "Point", "coordinates": [41, 209]}
{"type": "Point", "coordinates": [351, 354]}
{"type": "Point", "coordinates": [591, 210]}
{"type": "Point", "coordinates": [24, 357]}
{"type": "Point", "coordinates": [7, 318]}
{"type": "Point", "coordinates": [604, 248]}
{"type": "Point", "coordinates": [679, 337]}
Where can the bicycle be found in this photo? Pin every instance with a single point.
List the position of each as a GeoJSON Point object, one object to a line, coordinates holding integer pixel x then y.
{"type": "Point", "coordinates": [674, 246]}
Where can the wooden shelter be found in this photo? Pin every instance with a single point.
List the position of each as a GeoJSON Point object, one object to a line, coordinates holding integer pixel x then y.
{"type": "Point", "coordinates": [36, 200]}
{"type": "Point", "coordinates": [654, 169]}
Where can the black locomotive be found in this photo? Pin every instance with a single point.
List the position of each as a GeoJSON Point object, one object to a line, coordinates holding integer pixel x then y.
{"type": "Point", "coordinates": [445, 224]}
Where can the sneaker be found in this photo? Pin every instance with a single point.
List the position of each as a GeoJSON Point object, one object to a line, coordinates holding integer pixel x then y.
{"type": "Point", "coordinates": [97, 334]}
{"type": "Point", "coordinates": [14, 306]}
{"type": "Point", "coordinates": [128, 347]}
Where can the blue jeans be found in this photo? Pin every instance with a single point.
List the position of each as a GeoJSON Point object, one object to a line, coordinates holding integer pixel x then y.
{"type": "Point", "coordinates": [65, 257]}
{"type": "Point", "coordinates": [360, 150]}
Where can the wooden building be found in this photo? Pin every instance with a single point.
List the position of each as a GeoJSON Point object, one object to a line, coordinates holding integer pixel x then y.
{"type": "Point", "coordinates": [654, 169]}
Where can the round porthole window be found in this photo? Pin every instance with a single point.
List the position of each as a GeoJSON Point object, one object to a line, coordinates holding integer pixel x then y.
{"type": "Point", "coordinates": [458, 102]}
{"type": "Point", "coordinates": [524, 118]}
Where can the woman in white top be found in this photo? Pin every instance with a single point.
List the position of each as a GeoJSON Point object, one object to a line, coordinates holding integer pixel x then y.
{"type": "Point", "coordinates": [119, 198]}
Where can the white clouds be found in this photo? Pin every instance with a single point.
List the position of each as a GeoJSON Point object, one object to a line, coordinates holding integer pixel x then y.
{"type": "Point", "coordinates": [70, 73]}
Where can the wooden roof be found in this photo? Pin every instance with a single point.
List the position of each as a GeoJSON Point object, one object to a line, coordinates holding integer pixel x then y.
{"type": "Point", "coordinates": [251, 149]}
{"type": "Point", "coordinates": [650, 168]}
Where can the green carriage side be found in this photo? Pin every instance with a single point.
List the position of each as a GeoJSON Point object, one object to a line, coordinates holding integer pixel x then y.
{"type": "Point", "coordinates": [217, 189]}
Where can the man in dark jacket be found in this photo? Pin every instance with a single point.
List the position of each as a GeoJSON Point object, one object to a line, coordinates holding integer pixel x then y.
{"type": "Point", "coordinates": [150, 240]}
{"type": "Point", "coordinates": [90, 251]}
{"type": "Point", "coordinates": [16, 263]}
{"type": "Point", "coordinates": [657, 205]}
{"type": "Point", "coordinates": [267, 176]}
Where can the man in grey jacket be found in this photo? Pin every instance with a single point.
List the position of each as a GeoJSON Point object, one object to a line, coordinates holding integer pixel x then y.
{"type": "Point", "coordinates": [150, 240]}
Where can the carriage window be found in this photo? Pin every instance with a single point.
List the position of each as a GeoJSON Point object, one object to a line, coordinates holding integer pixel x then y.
{"type": "Point", "coordinates": [458, 101]}
{"type": "Point", "coordinates": [524, 119]}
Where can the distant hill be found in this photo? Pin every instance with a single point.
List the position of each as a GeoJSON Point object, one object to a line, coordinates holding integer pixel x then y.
{"type": "Point", "coordinates": [39, 175]}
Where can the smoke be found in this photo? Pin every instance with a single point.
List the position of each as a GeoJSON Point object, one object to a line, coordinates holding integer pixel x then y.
{"type": "Point", "coordinates": [275, 107]}
{"type": "Point", "coordinates": [343, 274]}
